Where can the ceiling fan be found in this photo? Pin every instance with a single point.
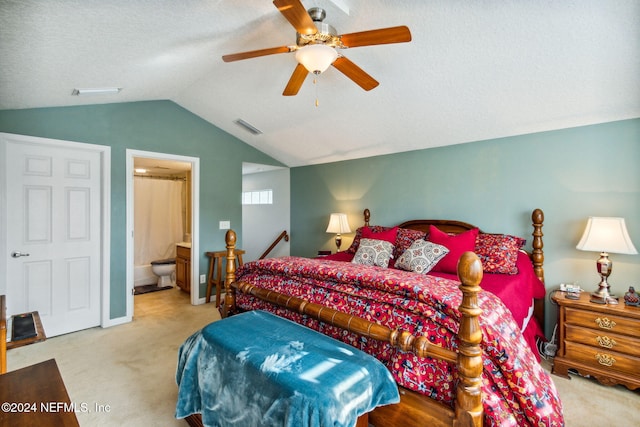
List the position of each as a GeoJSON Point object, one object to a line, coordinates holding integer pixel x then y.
{"type": "Point", "coordinates": [317, 45]}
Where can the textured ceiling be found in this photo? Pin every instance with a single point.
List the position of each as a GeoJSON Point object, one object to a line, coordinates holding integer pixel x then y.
{"type": "Point", "coordinates": [474, 70]}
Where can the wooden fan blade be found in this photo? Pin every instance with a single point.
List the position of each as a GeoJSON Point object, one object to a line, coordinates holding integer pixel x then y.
{"type": "Point", "coordinates": [355, 73]}
{"type": "Point", "coordinates": [297, 15]}
{"type": "Point", "coordinates": [381, 36]}
{"type": "Point", "coordinates": [296, 80]}
{"type": "Point", "coordinates": [255, 53]}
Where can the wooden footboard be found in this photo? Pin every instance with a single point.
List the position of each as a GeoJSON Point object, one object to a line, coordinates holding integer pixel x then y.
{"type": "Point", "coordinates": [414, 409]}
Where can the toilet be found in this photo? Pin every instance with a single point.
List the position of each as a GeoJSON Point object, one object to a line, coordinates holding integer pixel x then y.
{"type": "Point", "coordinates": [165, 269]}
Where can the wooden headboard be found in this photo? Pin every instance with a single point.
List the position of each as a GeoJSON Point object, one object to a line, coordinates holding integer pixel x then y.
{"type": "Point", "coordinates": [457, 227]}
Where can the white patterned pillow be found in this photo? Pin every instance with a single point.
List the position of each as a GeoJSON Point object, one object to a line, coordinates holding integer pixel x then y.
{"type": "Point", "coordinates": [373, 252]}
{"type": "Point", "coordinates": [421, 256]}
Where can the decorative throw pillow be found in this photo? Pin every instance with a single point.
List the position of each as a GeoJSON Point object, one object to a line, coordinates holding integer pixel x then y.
{"type": "Point", "coordinates": [498, 252]}
{"type": "Point", "coordinates": [405, 239]}
{"type": "Point", "coordinates": [457, 245]}
{"type": "Point", "coordinates": [371, 232]}
{"type": "Point", "coordinates": [373, 252]}
{"type": "Point", "coordinates": [388, 234]}
{"type": "Point", "coordinates": [421, 256]}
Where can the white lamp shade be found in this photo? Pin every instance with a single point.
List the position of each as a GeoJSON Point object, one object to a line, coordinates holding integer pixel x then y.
{"type": "Point", "coordinates": [606, 234]}
{"type": "Point", "coordinates": [338, 223]}
{"type": "Point", "coordinates": [316, 58]}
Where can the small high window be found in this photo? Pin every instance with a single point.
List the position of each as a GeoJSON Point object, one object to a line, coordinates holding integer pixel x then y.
{"type": "Point", "coordinates": [260, 197]}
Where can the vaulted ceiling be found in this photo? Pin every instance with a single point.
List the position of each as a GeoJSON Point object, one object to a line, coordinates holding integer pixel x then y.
{"type": "Point", "coordinates": [474, 69]}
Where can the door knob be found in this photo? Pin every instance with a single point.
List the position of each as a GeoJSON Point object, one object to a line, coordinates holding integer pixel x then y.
{"type": "Point", "coordinates": [18, 254]}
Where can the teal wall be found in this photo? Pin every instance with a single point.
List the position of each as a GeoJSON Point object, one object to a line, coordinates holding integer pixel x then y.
{"type": "Point", "coordinates": [158, 126]}
{"type": "Point", "coordinates": [571, 174]}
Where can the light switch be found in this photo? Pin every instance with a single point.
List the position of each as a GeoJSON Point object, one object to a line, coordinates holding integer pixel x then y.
{"type": "Point", "coordinates": [225, 225]}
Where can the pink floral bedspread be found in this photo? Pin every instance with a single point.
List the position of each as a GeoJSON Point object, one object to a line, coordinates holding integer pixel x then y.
{"type": "Point", "coordinates": [517, 391]}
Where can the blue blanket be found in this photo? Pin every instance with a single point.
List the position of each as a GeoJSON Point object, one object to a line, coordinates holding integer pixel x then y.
{"type": "Point", "coordinates": [257, 369]}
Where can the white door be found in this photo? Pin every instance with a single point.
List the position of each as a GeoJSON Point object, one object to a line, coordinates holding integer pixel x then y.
{"type": "Point", "coordinates": [53, 233]}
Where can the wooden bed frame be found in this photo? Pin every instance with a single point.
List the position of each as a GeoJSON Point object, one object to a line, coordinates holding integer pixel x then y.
{"type": "Point", "coordinates": [414, 409]}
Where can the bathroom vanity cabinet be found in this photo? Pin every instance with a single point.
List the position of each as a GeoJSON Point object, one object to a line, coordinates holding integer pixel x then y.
{"type": "Point", "coordinates": [183, 268]}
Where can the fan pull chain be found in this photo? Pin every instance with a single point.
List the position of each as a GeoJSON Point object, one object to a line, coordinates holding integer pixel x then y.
{"type": "Point", "coordinates": [315, 83]}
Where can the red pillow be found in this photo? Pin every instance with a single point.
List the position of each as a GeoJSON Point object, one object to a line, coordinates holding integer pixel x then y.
{"type": "Point", "coordinates": [457, 245]}
{"type": "Point", "coordinates": [498, 252]}
{"type": "Point", "coordinates": [371, 229]}
{"type": "Point", "coordinates": [386, 235]}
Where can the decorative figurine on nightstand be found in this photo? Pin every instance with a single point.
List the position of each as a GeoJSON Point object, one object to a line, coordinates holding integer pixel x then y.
{"type": "Point", "coordinates": [632, 298]}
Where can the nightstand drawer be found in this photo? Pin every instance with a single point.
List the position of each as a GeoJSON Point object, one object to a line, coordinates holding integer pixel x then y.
{"type": "Point", "coordinates": [603, 340]}
{"type": "Point", "coordinates": [602, 358]}
{"type": "Point", "coordinates": [603, 322]}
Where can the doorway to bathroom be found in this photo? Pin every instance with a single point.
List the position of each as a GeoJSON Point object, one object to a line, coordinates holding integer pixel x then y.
{"type": "Point", "coordinates": [162, 223]}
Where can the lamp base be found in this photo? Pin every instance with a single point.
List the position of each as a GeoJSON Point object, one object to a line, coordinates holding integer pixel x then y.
{"type": "Point", "coordinates": [598, 299]}
{"type": "Point", "coordinates": [602, 296]}
{"type": "Point", "coordinates": [338, 242]}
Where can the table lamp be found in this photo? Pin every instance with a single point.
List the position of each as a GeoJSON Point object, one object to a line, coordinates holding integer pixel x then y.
{"type": "Point", "coordinates": [604, 235]}
{"type": "Point", "coordinates": [338, 224]}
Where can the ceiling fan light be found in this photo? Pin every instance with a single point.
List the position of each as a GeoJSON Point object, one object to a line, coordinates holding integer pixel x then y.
{"type": "Point", "coordinates": [316, 58]}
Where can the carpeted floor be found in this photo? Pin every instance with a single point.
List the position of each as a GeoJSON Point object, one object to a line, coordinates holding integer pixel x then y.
{"type": "Point", "coordinates": [132, 369]}
{"type": "Point", "coordinates": [129, 367]}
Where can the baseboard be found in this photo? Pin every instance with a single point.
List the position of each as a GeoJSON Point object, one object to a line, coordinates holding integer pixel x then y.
{"type": "Point", "coordinates": [117, 321]}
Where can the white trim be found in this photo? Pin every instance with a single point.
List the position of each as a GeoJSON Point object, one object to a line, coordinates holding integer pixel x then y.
{"type": "Point", "coordinates": [195, 232]}
{"type": "Point", "coordinates": [106, 237]}
{"type": "Point", "coordinates": [117, 321]}
{"type": "Point", "coordinates": [105, 206]}
{"type": "Point", "coordinates": [4, 250]}
{"type": "Point", "coordinates": [195, 221]}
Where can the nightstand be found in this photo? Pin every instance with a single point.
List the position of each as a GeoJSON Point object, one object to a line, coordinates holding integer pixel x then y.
{"type": "Point", "coordinates": [598, 340]}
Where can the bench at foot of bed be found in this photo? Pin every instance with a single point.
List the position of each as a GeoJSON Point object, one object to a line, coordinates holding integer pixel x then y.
{"type": "Point", "coordinates": [259, 369]}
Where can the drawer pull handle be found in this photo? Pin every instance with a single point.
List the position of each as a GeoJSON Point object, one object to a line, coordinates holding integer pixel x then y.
{"type": "Point", "coordinates": [605, 323]}
{"type": "Point", "coordinates": [605, 359]}
{"type": "Point", "coordinates": [606, 342]}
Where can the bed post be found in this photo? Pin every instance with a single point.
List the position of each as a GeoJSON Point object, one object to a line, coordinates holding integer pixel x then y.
{"type": "Point", "coordinates": [538, 254]}
{"type": "Point", "coordinates": [537, 259]}
{"type": "Point", "coordinates": [229, 305]}
{"type": "Point", "coordinates": [468, 408]}
{"type": "Point", "coordinates": [367, 217]}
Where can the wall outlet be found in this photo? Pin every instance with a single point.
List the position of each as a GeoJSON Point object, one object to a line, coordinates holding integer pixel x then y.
{"type": "Point", "coordinates": [225, 225]}
{"type": "Point", "coordinates": [203, 278]}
